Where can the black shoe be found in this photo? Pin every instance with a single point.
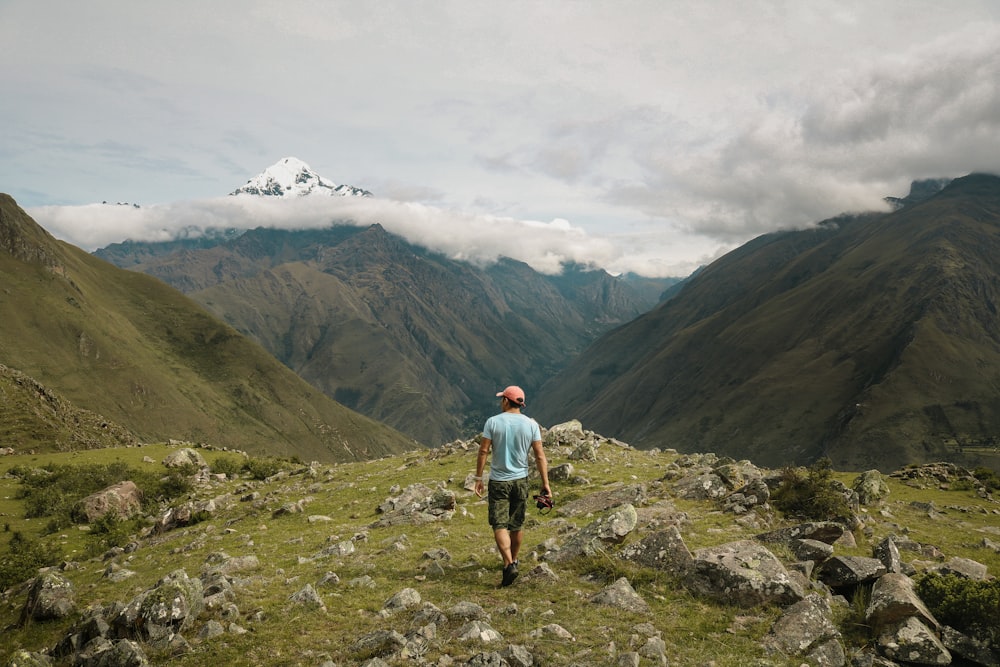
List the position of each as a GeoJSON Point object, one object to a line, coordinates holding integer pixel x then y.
{"type": "Point", "coordinates": [509, 575]}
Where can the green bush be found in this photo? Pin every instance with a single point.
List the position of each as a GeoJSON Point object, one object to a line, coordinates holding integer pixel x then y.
{"type": "Point", "coordinates": [230, 466]}
{"type": "Point", "coordinates": [967, 605]}
{"type": "Point", "coordinates": [23, 559]}
{"type": "Point", "coordinates": [811, 494]}
{"type": "Point", "coordinates": [987, 478]}
{"type": "Point", "coordinates": [262, 467]}
{"type": "Point", "coordinates": [56, 491]}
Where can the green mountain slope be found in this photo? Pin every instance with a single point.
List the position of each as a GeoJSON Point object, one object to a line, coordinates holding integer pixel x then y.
{"type": "Point", "coordinates": [873, 340]}
{"type": "Point", "coordinates": [407, 336]}
{"type": "Point", "coordinates": [130, 348]}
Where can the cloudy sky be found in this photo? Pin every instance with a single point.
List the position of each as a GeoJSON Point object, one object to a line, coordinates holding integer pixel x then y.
{"type": "Point", "coordinates": [638, 134]}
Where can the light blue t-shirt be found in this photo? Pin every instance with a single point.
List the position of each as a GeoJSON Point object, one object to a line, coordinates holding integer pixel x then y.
{"type": "Point", "coordinates": [512, 434]}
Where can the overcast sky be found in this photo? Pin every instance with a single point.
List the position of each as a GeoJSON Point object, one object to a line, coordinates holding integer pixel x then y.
{"type": "Point", "coordinates": [641, 135]}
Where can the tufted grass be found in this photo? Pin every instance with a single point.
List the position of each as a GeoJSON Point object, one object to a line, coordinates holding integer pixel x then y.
{"type": "Point", "coordinates": [697, 632]}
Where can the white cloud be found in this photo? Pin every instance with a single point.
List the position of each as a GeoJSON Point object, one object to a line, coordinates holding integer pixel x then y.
{"type": "Point", "coordinates": [662, 131]}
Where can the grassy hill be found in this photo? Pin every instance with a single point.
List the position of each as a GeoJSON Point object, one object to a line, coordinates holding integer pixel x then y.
{"type": "Point", "coordinates": [872, 340]}
{"type": "Point", "coordinates": [343, 501]}
{"type": "Point", "coordinates": [127, 347]}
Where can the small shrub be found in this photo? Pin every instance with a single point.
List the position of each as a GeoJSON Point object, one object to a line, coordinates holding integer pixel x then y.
{"type": "Point", "coordinates": [987, 478]}
{"type": "Point", "coordinates": [967, 605]}
{"type": "Point", "coordinates": [23, 559]}
{"type": "Point", "coordinates": [811, 495]}
{"type": "Point", "coordinates": [230, 466]}
{"type": "Point", "coordinates": [261, 468]}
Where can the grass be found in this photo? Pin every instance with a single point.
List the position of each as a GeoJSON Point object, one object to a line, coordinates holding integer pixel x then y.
{"type": "Point", "coordinates": [696, 631]}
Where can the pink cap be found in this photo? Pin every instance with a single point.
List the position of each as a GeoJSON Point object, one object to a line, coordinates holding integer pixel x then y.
{"type": "Point", "coordinates": [513, 394]}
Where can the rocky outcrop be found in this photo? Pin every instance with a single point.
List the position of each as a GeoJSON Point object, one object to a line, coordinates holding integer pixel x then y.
{"type": "Point", "coordinates": [123, 499]}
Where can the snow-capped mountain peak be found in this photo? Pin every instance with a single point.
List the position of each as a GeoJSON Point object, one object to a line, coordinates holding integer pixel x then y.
{"type": "Point", "coordinates": [291, 177]}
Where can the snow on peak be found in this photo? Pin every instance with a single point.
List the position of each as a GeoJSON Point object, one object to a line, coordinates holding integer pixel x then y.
{"type": "Point", "coordinates": [291, 177]}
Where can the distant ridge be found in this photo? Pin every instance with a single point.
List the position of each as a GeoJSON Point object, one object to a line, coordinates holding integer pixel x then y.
{"type": "Point", "coordinates": [130, 348]}
{"type": "Point", "coordinates": [871, 339]}
{"type": "Point", "coordinates": [291, 177]}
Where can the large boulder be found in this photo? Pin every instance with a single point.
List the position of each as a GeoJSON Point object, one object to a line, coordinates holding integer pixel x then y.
{"type": "Point", "coordinates": [610, 529]}
{"type": "Point", "coordinates": [806, 629]}
{"type": "Point", "coordinates": [894, 599]}
{"type": "Point", "coordinates": [50, 597]}
{"type": "Point", "coordinates": [172, 605]}
{"type": "Point", "coordinates": [123, 499]}
{"type": "Point", "coordinates": [911, 641]}
{"type": "Point", "coordinates": [662, 550]}
{"type": "Point", "coordinates": [743, 573]}
{"type": "Point", "coordinates": [848, 571]}
{"type": "Point", "coordinates": [185, 457]}
{"type": "Point", "coordinates": [870, 487]}
{"type": "Point", "coordinates": [599, 501]}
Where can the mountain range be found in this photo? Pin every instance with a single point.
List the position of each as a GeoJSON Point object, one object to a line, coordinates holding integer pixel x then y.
{"type": "Point", "coordinates": [872, 339]}
{"type": "Point", "coordinates": [399, 333]}
{"type": "Point", "coordinates": [95, 355]}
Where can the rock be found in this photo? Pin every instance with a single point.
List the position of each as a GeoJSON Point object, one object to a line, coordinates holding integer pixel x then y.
{"type": "Point", "coordinates": [841, 571]}
{"type": "Point", "coordinates": [870, 487]}
{"type": "Point", "coordinates": [561, 472]}
{"type": "Point", "coordinates": [909, 641]}
{"type": "Point", "coordinates": [621, 595]}
{"type": "Point", "coordinates": [965, 568]}
{"type": "Point", "coordinates": [742, 573]}
{"type": "Point", "coordinates": [610, 529]}
{"type": "Point", "coordinates": [600, 501]}
{"type": "Point", "coordinates": [50, 597]}
{"type": "Point", "coordinates": [478, 631]}
{"type": "Point", "coordinates": [467, 611]}
{"type": "Point", "coordinates": [123, 499]}
{"type": "Point", "coordinates": [807, 627]}
{"type": "Point", "coordinates": [663, 550]}
{"type": "Point", "coordinates": [517, 656]}
{"type": "Point", "coordinates": [170, 606]}
{"type": "Point", "coordinates": [120, 653]}
{"type": "Point", "coordinates": [211, 630]}
{"type": "Point", "coordinates": [417, 504]}
{"type": "Point", "coordinates": [22, 658]}
{"type": "Point", "coordinates": [552, 631]}
{"type": "Point", "coordinates": [701, 486]}
{"type": "Point", "coordinates": [379, 644]}
{"type": "Point", "coordinates": [969, 648]}
{"type": "Point", "coordinates": [404, 599]}
{"type": "Point", "coordinates": [887, 553]}
{"type": "Point", "coordinates": [308, 597]}
{"type": "Point", "coordinates": [893, 599]}
{"type": "Point", "coordinates": [822, 531]}
{"type": "Point", "coordinates": [184, 457]}
{"type": "Point", "coordinates": [813, 550]}
{"type": "Point", "coordinates": [562, 434]}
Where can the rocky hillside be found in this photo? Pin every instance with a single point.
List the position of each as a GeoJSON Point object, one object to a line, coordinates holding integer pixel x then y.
{"type": "Point", "coordinates": [128, 347]}
{"type": "Point", "coordinates": [872, 340]}
{"type": "Point", "coordinates": [649, 558]}
{"type": "Point", "coordinates": [406, 336]}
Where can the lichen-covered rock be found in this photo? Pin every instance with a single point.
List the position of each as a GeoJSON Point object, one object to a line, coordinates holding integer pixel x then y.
{"type": "Point", "coordinates": [663, 550]}
{"type": "Point", "coordinates": [870, 487]}
{"type": "Point", "coordinates": [806, 628]}
{"type": "Point", "coordinates": [894, 599]}
{"type": "Point", "coordinates": [743, 573]}
{"type": "Point", "coordinates": [123, 499]}
{"type": "Point", "coordinates": [184, 457]}
{"type": "Point", "coordinates": [610, 529]}
{"type": "Point", "coordinates": [50, 597]}
{"type": "Point", "coordinates": [621, 595]}
{"type": "Point", "coordinates": [841, 571]}
{"type": "Point", "coordinates": [911, 641]}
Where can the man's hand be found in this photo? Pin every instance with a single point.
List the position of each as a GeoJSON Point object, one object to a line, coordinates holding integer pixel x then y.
{"type": "Point", "coordinates": [480, 488]}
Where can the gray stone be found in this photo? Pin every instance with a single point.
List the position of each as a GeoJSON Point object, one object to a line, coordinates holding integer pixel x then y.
{"type": "Point", "coordinates": [404, 599]}
{"type": "Point", "coordinates": [610, 529]}
{"type": "Point", "coordinates": [894, 599]}
{"type": "Point", "coordinates": [841, 571]}
{"type": "Point", "coordinates": [308, 597]}
{"type": "Point", "coordinates": [887, 553]}
{"type": "Point", "coordinates": [701, 486]}
{"type": "Point", "coordinates": [969, 648]}
{"type": "Point", "coordinates": [743, 573]}
{"type": "Point", "coordinates": [813, 550]}
{"type": "Point", "coordinates": [517, 656]}
{"type": "Point", "coordinates": [600, 501]}
{"type": "Point", "coordinates": [378, 644]}
{"type": "Point", "coordinates": [822, 531]}
{"type": "Point", "coordinates": [211, 630]}
{"type": "Point", "coordinates": [467, 611]}
{"type": "Point", "coordinates": [50, 597]}
{"type": "Point", "coordinates": [478, 631]}
{"type": "Point", "coordinates": [23, 658]}
{"type": "Point", "coordinates": [912, 641]}
{"type": "Point", "coordinates": [870, 487]}
{"type": "Point", "coordinates": [965, 568]}
{"type": "Point", "coordinates": [621, 595]}
{"type": "Point", "coordinates": [122, 499]}
{"type": "Point", "coordinates": [185, 457]}
{"type": "Point", "coordinates": [804, 628]}
{"type": "Point", "coordinates": [663, 550]}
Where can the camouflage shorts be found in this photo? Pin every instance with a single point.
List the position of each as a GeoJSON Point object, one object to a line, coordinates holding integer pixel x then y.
{"type": "Point", "coordinates": [507, 501]}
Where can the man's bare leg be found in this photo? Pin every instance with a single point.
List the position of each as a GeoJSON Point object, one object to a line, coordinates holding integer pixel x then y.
{"type": "Point", "coordinates": [504, 544]}
{"type": "Point", "coordinates": [515, 544]}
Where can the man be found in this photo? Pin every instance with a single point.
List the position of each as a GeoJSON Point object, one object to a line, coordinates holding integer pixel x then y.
{"type": "Point", "coordinates": [510, 435]}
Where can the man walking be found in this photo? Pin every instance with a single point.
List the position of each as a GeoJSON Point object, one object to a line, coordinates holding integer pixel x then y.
{"type": "Point", "coordinates": [510, 435]}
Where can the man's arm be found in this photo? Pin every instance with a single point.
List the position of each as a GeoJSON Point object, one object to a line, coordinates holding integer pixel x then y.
{"type": "Point", "coordinates": [543, 466]}
{"type": "Point", "coordinates": [484, 451]}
